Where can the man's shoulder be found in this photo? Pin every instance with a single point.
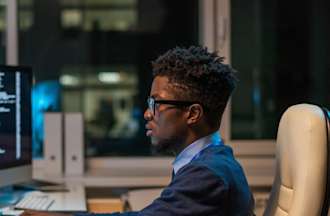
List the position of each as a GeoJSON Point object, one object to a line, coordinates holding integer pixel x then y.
{"type": "Point", "coordinates": [216, 151]}
{"type": "Point", "coordinates": [216, 158]}
{"type": "Point", "coordinates": [218, 162]}
{"type": "Point", "coordinates": [218, 167]}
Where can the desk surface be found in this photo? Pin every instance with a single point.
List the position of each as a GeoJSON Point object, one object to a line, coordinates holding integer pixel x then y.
{"type": "Point", "coordinates": [105, 205]}
{"type": "Point", "coordinates": [259, 172]}
{"type": "Point", "coordinates": [73, 199]}
{"type": "Point", "coordinates": [105, 178]}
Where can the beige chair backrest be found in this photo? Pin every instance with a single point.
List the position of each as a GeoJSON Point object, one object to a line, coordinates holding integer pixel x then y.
{"type": "Point", "coordinates": [301, 163]}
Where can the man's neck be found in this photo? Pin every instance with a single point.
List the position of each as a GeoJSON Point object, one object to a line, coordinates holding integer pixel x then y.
{"type": "Point", "coordinates": [191, 138]}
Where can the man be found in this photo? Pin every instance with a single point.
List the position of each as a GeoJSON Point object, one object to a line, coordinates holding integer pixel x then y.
{"type": "Point", "coordinates": [188, 96]}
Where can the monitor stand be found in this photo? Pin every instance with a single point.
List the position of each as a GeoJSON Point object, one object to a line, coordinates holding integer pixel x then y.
{"type": "Point", "coordinates": [40, 185]}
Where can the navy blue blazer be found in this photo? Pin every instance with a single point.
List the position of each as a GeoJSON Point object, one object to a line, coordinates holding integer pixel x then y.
{"type": "Point", "coordinates": [213, 184]}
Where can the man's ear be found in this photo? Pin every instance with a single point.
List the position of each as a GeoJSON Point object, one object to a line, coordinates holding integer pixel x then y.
{"type": "Point", "coordinates": [195, 113]}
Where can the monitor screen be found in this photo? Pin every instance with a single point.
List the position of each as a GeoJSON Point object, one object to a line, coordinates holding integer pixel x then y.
{"type": "Point", "coordinates": [15, 124]}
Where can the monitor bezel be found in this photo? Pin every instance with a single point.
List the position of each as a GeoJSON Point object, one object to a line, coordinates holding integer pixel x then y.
{"type": "Point", "coordinates": [23, 172]}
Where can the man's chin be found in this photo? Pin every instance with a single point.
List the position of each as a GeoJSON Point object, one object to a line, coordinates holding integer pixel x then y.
{"type": "Point", "coordinates": [162, 146]}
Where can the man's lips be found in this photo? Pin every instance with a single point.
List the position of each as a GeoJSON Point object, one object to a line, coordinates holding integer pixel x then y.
{"type": "Point", "coordinates": [149, 133]}
{"type": "Point", "coordinates": [149, 130]}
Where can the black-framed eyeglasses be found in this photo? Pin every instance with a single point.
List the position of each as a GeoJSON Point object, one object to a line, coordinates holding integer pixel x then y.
{"type": "Point", "coordinates": [152, 103]}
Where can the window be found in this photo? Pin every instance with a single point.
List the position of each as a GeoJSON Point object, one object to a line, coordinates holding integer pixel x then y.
{"type": "Point", "coordinates": [281, 52]}
{"type": "Point", "coordinates": [96, 55]}
{"type": "Point", "coordinates": [99, 53]}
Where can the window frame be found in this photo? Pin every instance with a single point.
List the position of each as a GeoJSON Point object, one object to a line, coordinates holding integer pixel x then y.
{"type": "Point", "coordinates": [11, 32]}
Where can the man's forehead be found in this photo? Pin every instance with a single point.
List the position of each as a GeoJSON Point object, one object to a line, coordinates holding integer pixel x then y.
{"type": "Point", "coordinates": [161, 88]}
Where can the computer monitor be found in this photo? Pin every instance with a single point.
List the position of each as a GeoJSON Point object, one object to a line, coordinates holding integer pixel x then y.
{"type": "Point", "coordinates": [15, 125]}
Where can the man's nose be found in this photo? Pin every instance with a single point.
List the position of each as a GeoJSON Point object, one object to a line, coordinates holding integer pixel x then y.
{"type": "Point", "coordinates": [147, 114]}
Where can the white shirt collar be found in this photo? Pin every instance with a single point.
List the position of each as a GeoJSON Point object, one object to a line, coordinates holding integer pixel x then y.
{"type": "Point", "coordinates": [193, 149]}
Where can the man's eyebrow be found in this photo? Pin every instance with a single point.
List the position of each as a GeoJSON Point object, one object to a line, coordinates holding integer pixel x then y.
{"type": "Point", "coordinates": [154, 95]}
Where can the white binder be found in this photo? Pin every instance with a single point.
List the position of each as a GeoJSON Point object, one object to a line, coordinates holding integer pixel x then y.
{"type": "Point", "coordinates": [53, 143]}
{"type": "Point", "coordinates": [74, 143]}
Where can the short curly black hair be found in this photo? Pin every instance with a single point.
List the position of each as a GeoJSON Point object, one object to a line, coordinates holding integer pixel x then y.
{"type": "Point", "coordinates": [198, 75]}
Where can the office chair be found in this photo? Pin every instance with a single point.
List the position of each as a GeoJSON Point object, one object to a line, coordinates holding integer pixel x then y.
{"type": "Point", "coordinates": [301, 181]}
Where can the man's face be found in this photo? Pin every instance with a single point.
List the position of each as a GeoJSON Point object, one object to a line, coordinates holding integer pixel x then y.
{"type": "Point", "coordinates": [166, 125]}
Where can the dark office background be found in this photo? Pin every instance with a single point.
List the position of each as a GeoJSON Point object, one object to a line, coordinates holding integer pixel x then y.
{"type": "Point", "coordinates": [281, 50]}
{"type": "Point", "coordinates": [84, 43]}
{"type": "Point", "coordinates": [99, 52]}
